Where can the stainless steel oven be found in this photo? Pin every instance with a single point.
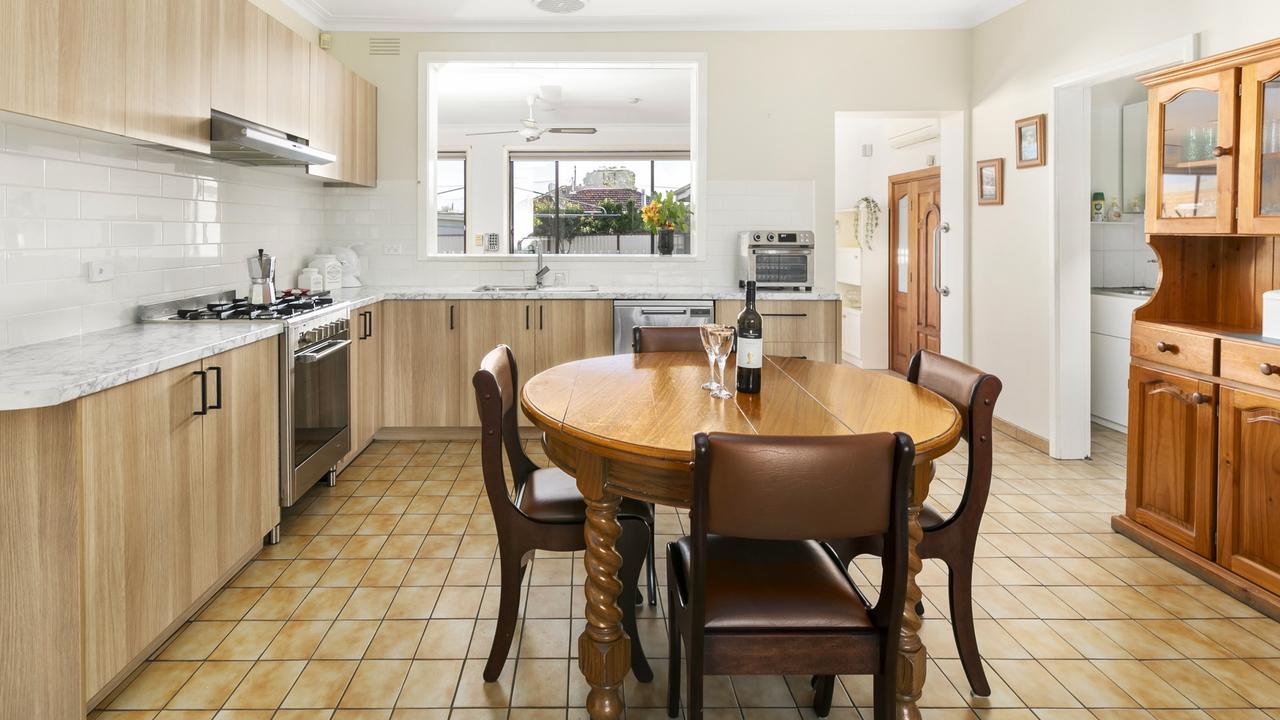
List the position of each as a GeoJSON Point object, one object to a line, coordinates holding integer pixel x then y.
{"type": "Point", "coordinates": [315, 413]}
{"type": "Point", "coordinates": [776, 259]}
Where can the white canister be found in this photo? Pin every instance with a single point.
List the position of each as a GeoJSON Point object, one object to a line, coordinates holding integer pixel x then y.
{"type": "Point", "coordinates": [330, 270]}
{"type": "Point", "coordinates": [310, 279]}
{"type": "Point", "coordinates": [1271, 314]}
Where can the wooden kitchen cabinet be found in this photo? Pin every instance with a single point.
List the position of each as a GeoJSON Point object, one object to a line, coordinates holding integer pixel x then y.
{"type": "Point", "coordinates": [485, 325]}
{"type": "Point", "coordinates": [1248, 466]}
{"type": "Point", "coordinates": [261, 68]}
{"type": "Point", "coordinates": [1170, 487]}
{"type": "Point", "coordinates": [366, 377]}
{"type": "Point", "coordinates": [421, 363]}
{"type": "Point", "coordinates": [167, 73]}
{"type": "Point", "coordinates": [1259, 193]}
{"type": "Point", "coordinates": [793, 328]}
{"type": "Point", "coordinates": [289, 80]}
{"type": "Point", "coordinates": [344, 116]}
{"type": "Point", "coordinates": [570, 330]}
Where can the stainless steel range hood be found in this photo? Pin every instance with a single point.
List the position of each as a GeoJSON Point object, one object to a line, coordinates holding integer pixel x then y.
{"type": "Point", "coordinates": [246, 143]}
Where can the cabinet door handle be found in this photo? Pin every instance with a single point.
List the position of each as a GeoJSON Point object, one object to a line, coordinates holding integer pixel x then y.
{"type": "Point", "coordinates": [526, 317]}
{"type": "Point", "coordinates": [1199, 398]}
{"type": "Point", "coordinates": [800, 315]}
{"type": "Point", "coordinates": [217, 388]}
{"type": "Point", "coordinates": [204, 393]}
{"type": "Point", "coordinates": [364, 326]}
{"type": "Point", "coordinates": [1267, 369]}
{"type": "Point", "coordinates": [1219, 151]}
{"type": "Point", "coordinates": [539, 317]}
{"type": "Point", "coordinates": [1165, 347]}
{"type": "Point", "coordinates": [370, 313]}
{"type": "Point", "coordinates": [450, 317]}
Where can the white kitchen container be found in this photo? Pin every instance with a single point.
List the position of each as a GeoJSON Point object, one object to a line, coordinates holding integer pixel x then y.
{"type": "Point", "coordinates": [1271, 314]}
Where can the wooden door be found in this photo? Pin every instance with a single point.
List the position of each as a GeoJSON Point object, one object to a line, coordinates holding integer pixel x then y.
{"type": "Point", "coordinates": [143, 511]}
{"type": "Point", "coordinates": [1259, 195]}
{"type": "Point", "coordinates": [366, 378]}
{"type": "Point", "coordinates": [485, 325]}
{"type": "Point", "coordinates": [421, 363]}
{"type": "Point", "coordinates": [915, 211]}
{"type": "Point", "coordinates": [167, 73]}
{"type": "Point", "coordinates": [1191, 154]}
{"type": "Point", "coordinates": [1171, 457]}
{"type": "Point", "coordinates": [241, 486]}
{"type": "Point", "coordinates": [1248, 465]}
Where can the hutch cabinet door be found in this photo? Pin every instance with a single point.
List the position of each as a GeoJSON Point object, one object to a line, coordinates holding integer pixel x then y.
{"type": "Point", "coordinates": [1248, 465]}
{"type": "Point", "coordinates": [1259, 195]}
{"type": "Point", "coordinates": [1191, 132]}
{"type": "Point", "coordinates": [1171, 456]}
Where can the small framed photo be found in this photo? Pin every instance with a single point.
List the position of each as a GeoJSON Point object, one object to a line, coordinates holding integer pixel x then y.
{"type": "Point", "coordinates": [991, 182]}
{"type": "Point", "coordinates": [1030, 141]}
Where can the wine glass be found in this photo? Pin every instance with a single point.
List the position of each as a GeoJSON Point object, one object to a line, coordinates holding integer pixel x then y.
{"type": "Point", "coordinates": [722, 339]}
{"type": "Point", "coordinates": [709, 348]}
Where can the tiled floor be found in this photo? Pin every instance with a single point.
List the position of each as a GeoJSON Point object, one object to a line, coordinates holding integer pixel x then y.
{"type": "Point", "coordinates": [379, 603]}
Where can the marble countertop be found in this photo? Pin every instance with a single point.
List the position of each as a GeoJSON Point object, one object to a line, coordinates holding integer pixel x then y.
{"type": "Point", "coordinates": [58, 371]}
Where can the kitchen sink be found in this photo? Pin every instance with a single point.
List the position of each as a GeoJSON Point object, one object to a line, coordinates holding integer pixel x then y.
{"type": "Point", "coordinates": [534, 288]}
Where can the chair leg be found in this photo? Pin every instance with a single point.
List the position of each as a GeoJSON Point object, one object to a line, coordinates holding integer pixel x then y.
{"type": "Point", "coordinates": [673, 657]}
{"type": "Point", "coordinates": [653, 568]}
{"type": "Point", "coordinates": [632, 548]}
{"type": "Point", "coordinates": [694, 708]}
{"type": "Point", "coordinates": [960, 587]}
{"type": "Point", "coordinates": [823, 690]}
{"type": "Point", "coordinates": [885, 695]}
{"type": "Point", "coordinates": [508, 611]}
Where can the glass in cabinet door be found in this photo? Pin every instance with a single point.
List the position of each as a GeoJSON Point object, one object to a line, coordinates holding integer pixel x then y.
{"type": "Point", "coordinates": [1269, 142]}
{"type": "Point", "coordinates": [1189, 170]}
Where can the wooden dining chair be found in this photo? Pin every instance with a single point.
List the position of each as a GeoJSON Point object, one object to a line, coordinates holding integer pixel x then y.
{"type": "Point", "coordinates": [666, 339]}
{"type": "Point", "coordinates": [546, 513]}
{"type": "Point", "coordinates": [952, 539]}
{"type": "Point", "coordinates": [662, 339]}
{"type": "Point", "coordinates": [752, 591]}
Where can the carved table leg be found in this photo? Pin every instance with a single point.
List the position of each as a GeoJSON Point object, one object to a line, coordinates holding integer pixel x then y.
{"type": "Point", "coordinates": [604, 650]}
{"type": "Point", "coordinates": [911, 651]}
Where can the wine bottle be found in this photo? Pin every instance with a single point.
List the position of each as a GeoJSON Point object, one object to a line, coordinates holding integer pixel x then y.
{"type": "Point", "coordinates": [750, 344]}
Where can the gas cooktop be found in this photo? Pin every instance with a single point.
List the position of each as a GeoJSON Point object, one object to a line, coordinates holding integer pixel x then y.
{"type": "Point", "coordinates": [227, 306]}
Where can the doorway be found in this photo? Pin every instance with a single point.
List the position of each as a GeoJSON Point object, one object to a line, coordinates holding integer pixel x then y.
{"type": "Point", "coordinates": [915, 307]}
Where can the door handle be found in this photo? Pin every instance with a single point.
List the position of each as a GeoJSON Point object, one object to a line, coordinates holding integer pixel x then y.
{"type": "Point", "coordinates": [328, 349]}
{"type": "Point", "coordinates": [526, 317]}
{"type": "Point", "coordinates": [370, 324]}
{"type": "Point", "coordinates": [539, 317]}
{"type": "Point", "coordinates": [204, 393]}
{"type": "Point", "coordinates": [450, 317]}
{"type": "Point", "coordinates": [941, 289]}
{"type": "Point", "coordinates": [217, 388]}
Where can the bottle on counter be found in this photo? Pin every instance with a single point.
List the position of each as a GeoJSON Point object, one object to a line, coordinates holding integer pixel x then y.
{"type": "Point", "coordinates": [750, 344]}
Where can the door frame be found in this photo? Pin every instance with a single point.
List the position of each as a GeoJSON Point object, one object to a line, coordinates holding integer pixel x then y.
{"type": "Point", "coordinates": [931, 172]}
{"type": "Point", "coordinates": [1070, 414]}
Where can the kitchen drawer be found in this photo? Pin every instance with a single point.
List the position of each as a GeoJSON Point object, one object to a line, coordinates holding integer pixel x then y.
{"type": "Point", "coordinates": [1251, 363]}
{"type": "Point", "coordinates": [820, 351]}
{"type": "Point", "coordinates": [1164, 345]}
{"type": "Point", "coordinates": [789, 320]}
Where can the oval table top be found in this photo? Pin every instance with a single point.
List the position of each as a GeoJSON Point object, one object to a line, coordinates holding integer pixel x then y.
{"type": "Point", "coordinates": [647, 407]}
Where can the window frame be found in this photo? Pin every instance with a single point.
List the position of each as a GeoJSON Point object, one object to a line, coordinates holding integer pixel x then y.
{"type": "Point", "coordinates": [465, 156]}
{"type": "Point", "coordinates": [652, 157]}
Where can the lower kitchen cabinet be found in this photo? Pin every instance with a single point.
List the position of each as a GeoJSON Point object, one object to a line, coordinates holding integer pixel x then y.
{"type": "Point", "coordinates": [1170, 486]}
{"type": "Point", "coordinates": [572, 330]}
{"type": "Point", "coordinates": [366, 377]}
{"type": "Point", "coordinates": [421, 363]}
{"type": "Point", "coordinates": [807, 329]}
{"type": "Point", "coordinates": [485, 325]}
{"type": "Point", "coordinates": [1248, 494]}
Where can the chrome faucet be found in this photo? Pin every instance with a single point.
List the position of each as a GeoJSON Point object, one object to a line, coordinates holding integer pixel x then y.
{"type": "Point", "coordinates": [540, 270]}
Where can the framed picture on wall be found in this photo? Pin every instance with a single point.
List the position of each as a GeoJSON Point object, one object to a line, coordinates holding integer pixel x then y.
{"type": "Point", "coordinates": [1029, 132]}
{"type": "Point", "coordinates": [991, 182]}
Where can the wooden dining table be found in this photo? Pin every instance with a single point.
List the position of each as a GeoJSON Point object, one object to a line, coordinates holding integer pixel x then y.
{"type": "Point", "coordinates": [623, 425]}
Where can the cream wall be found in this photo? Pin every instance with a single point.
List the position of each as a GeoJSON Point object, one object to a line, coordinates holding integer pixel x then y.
{"type": "Point", "coordinates": [281, 11]}
{"type": "Point", "coordinates": [1016, 58]}
{"type": "Point", "coordinates": [771, 99]}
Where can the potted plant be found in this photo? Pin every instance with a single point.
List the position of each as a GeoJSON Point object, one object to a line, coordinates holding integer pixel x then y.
{"type": "Point", "coordinates": [665, 216]}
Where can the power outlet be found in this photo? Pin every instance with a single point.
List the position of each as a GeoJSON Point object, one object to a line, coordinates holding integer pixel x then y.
{"type": "Point", "coordinates": [393, 249]}
{"type": "Point", "coordinates": [101, 271]}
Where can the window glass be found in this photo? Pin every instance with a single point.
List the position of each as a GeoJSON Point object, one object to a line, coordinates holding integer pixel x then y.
{"type": "Point", "coordinates": [451, 202]}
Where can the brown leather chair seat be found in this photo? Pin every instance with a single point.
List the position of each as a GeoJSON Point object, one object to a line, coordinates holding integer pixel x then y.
{"type": "Point", "coordinates": [551, 495]}
{"type": "Point", "coordinates": [773, 585]}
{"type": "Point", "coordinates": [930, 517]}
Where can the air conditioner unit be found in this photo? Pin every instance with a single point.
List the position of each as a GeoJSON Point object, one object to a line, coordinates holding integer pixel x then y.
{"type": "Point", "coordinates": [905, 133]}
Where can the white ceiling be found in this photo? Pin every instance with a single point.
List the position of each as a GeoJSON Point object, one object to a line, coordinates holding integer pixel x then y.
{"type": "Point", "coordinates": [649, 15]}
{"type": "Point", "coordinates": [485, 93]}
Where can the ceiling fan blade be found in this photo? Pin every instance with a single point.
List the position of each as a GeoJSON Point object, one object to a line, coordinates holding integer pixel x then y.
{"type": "Point", "coordinates": [494, 132]}
{"type": "Point", "coordinates": [572, 130]}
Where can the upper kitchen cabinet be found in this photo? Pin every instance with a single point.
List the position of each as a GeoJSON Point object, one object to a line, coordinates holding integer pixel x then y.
{"type": "Point", "coordinates": [1259, 202]}
{"type": "Point", "coordinates": [261, 68]}
{"type": "Point", "coordinates": [167, 55]}
{"type": "Point", "coordinates": [63, 60]}
{"type": "Point", "coordinates": [344, 112]}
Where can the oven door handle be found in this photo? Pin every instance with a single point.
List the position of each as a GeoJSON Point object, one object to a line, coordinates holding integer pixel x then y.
{"type": "Point", "coordinates": [781, 251]}
{"type": "Point", "coordinates": [329, 348]}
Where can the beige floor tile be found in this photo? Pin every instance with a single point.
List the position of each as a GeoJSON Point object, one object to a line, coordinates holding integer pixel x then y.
{"type": "Point", "coordinates": [247, 640]}
{"type": "Point", "coordinates": [1196, 684]}
{"type": "Point", "coordinates": [446, 639]}
{"type": "Point", "coordinates": [541, 683]}
{"type": "Point", "coordinates": [1246, 680]}
{"type": "Point", "coordinates": [1136, 639]}
{"type": "Point", "coordinates": [474, 692]}
{"type": "Point", "coordinates": [210, 686]}
{"type": "Point", "coordinates": [321, 684]}
{"type": "Point", "coordinates": [231, 603]}
{"type": "Point", "coordinates": [1141, 684]}
{"type": "Point", "coordinates": [364, 546]}
{"type": "Point", "coordinates": [376, 684]}
{"type": "Point", "coordinates": [196, 640]}
{"type": "Point", "coordinates": [154, 686]}
{"type": "Point", "coordinates": [368, 603]}
{"type": "Point", "coordinates": [1088, 684]}
{"type": "Point", "coordinates": [414, 602]}
{"type": "Point", "coordinates": [278, 603]}
{"type": "Point", "coordinates": [430, 684]}
{"type": "Point", "coordinates": [297, 640]}
{"type": "Point", "coordinates": [1039, 639]}
{"type": "Point", "coordinates": [266, 685]}
{"type": "Point", "coordinates": [344, 573]}
{"type": "Point", "coordinates": [1185, 639]}
{"type": "Point", "coordinates": [323, 604]}
{"type": "Point", "coordinates": [396, 639]}
{"type": "Point", "coordinates": [347, 640]}
{"type": "Point", "coordinates": [1033, 684]}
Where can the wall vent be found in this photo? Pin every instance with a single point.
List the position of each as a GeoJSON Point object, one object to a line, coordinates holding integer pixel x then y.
{"type": "Point", "coordinates": [384, 46]}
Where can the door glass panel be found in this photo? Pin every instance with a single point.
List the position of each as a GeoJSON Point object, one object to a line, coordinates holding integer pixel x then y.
{"type": "Point", "coordinates": [904, 242]}
{"type": "Point", "coordinates": [1189, 183]}
{"type": "Point", "coordinates": [1269, 182]}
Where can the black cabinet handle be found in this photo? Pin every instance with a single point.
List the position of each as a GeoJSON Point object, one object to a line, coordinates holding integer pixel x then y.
{"type": "Point", "coordinates": [539, 317]}
{"type": "Point", "coordinates": [217, 388]}
{"type": "Point", "coordinates": [369, 313]}
{"type": "Point", "coordinates": [204, 393]}
{"type": "Point", "coordinates": [785, 314]}
{"type": "Point", "coordinates": [450, 317]}
{"type": "Point", "coordinates": [526, 317]}
{"type": "Point", "coordinates": [364, 327]}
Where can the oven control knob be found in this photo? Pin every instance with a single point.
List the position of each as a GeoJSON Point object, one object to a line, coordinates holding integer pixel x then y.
{"type": "Point", "coordinates": [772, 237]}
{"type": "Point", "coordinates": [757, 237]}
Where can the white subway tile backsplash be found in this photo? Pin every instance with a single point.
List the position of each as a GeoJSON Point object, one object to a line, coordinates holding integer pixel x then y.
{"type": "Point", "coordinates": [69, 175]}
{"type": "Point", "coordinates": [22, 202]}
{"type": "Point", "coordinates": [177, 186]}
{"type": "Point", "coordinates": [42, 326]}
{"type": "Point", "coordinates": [21, 170]}
{"type": "Point", "coordinates": [136, 234]}
{"type": "Point", "coordinates": [135, 182]}
{"type": "Point", "coordinates": [155, 208]}
{"type": "Point", "coordinates": [30, 140]}
{"type": "Point", "coordinates": [76, 233]}
{"type": "Point", "coordinates": [111, 154]}
{"type": "Point", "coordinates": [108, 206]}
{"type": "Point", "coordinates": [19, 234]}
{"type": "Point", "coordinates": [30, 265]}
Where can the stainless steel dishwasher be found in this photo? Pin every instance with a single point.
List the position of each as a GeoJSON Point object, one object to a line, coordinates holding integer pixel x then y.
{"type": "Point", "coordinates": [629, 314]}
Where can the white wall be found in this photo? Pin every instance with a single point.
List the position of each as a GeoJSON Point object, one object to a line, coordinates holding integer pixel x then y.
{"type": "Point", "coordinates": [769, 121]}
{"type": "Point", "coordinates": [1015, 61]}
{"type": "Point", "coordinates": [170, 224]}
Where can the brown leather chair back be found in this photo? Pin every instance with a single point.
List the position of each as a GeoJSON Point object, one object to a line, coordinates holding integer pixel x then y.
{"type": "Point", "coordinates": [666, 339]}
{"type": "Point", "coordinates": [495, 384]}
{"type": "Point", "coordinates": [974, 394]}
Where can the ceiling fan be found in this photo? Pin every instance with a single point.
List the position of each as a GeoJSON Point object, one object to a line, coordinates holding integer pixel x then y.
{"type": "Point", "coordinates": [532, 131]}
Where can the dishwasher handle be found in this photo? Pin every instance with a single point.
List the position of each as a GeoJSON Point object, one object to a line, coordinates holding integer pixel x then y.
{"type": "Point", "coordinates": [664, 311]}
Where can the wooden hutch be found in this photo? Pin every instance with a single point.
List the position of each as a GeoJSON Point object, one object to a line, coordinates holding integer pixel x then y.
{"type": "Point", "coordinates": [1204, 385]}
